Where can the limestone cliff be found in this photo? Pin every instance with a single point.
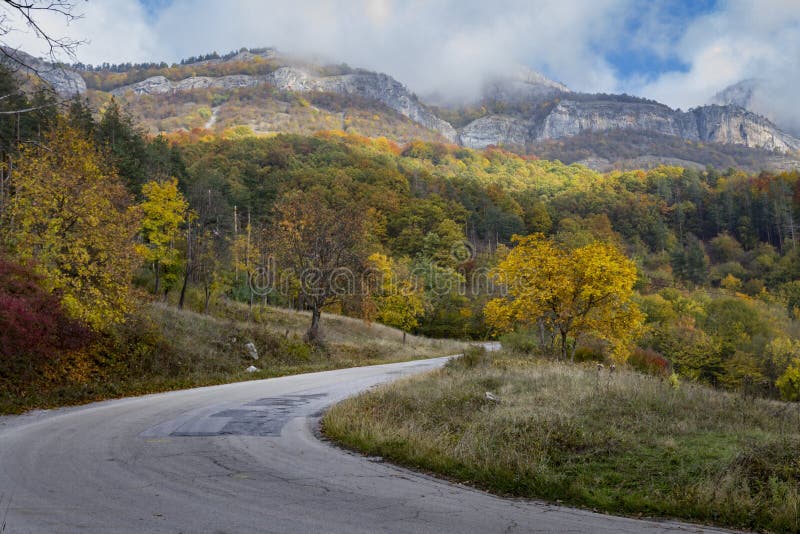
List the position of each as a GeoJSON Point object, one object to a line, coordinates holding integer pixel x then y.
{"type": "Point", "coordinates": [567, 118]}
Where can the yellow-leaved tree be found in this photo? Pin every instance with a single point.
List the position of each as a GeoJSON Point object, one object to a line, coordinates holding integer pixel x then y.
{"type": "Point", "coordinates": [72, 216]}
{"type": "Point", "coordinates": [164, 211]}
{"type": "Point", "coordinates": [398, 301]}
{"type": "Point", "coordinates": [573, 293]}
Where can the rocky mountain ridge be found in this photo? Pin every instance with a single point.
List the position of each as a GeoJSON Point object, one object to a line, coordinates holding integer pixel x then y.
{"type": "Point", "coordinates": [514, 111]}
{"type": "Point", "coordinates": [568, 117]}
{"type": "Point", "coordinates": [714, 124]}
{"type": "Point", "coordinates": [375, 86]}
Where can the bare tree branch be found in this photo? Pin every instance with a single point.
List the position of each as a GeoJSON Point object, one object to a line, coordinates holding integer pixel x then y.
{"type": "Point", "coordinates": [30, 12]}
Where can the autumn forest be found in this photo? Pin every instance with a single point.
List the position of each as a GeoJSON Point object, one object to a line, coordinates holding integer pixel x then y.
{"type": "Point", "coordinates": [697, 269]}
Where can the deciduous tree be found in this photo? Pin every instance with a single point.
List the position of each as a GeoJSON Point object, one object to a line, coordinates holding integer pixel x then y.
{"type": "Point", "coordinates": [72, 216]}
{"type": "Point", "coordinates": [321, 239]}
{"type": "Point", "coordinates": [398, 301]}
{"type": "Point", "coordinates": [585, 291]}
{"type": "Point", "coordinates": [164, 210]}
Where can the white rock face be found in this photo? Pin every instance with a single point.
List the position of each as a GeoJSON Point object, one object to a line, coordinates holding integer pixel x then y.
{"type": "Point", "coordinates": [159, 84]}
{"type": "Point", "coordinates": [717, 124]}
{"type": "Point", "coordinates": [571, 118]}
{"type": "Point", "coordinates": [64, 81]}
{"type": "Point", "coordinates": [731, 124]}
{"type": "Point", "coordinates": [495, 130]}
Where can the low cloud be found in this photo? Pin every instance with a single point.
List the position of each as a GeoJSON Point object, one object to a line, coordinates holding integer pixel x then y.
{"type": "Point", "coordinates": [741, 40]}
{"type": "Point", "coordinates": [450, 47]}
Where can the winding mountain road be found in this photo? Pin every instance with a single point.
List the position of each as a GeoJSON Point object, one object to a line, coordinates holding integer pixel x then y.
{"type": "Point", "coordinates": [243, 458]}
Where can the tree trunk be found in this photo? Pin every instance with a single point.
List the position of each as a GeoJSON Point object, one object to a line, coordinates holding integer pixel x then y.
{"type": "Point", "coordinates": [564, 345]}
{"type": "Point", "coordinates": [313, 333]}
{"type": "Point", "coordinates": [157, 269]}
{"type": "Point", "coordinates": [404, 338]}
{"type": "Point", "coordinates": [208, 298]}
{"type": "Point", "coordinates": [188, 271]}
{"type": "Point", "coordinates": [183, 288]}
{"type": "Point", "coordinates": [542, 342]}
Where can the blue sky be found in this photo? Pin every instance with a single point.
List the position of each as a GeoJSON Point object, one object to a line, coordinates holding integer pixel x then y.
{"type": "Point", "coordinates": [630, 60]}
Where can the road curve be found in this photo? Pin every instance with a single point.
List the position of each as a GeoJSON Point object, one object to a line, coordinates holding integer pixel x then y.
{"type": "Point", "coordinates": [243, 458]}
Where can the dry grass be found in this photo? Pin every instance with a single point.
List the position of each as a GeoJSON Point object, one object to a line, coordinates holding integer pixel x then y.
{"type": "Point", "coordinates": [161, 348]}
{"type": "Point", "coordinates": [620, 442]}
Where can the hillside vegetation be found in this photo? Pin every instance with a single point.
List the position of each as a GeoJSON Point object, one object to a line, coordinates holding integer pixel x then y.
{"type": "Point", "coordinates": [265, 110]}
{"type": "Point", "coordinates": [160, 348]}
{"type": "Point", "coordinates": [711, 258]}
{"type": "Point", "coordinates": [613, 441]}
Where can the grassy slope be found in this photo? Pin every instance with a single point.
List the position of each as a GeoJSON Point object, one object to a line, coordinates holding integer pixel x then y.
{"type": "Point", "coordinates": [623, 443]}
{"type": "Point", "coordinates": [161, 348]}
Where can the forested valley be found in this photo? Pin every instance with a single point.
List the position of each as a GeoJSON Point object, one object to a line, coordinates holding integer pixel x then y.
{"type": "Point", "coordinates": [98, 218]}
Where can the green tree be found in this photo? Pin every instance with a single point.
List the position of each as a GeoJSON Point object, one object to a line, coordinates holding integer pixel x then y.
{"type": "Point", "coordinates": [691, 262]}
{"type": "Point", "coordinates": [127, 149]}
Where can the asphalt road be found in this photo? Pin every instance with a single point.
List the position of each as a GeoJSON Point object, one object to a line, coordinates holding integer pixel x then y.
{"type": "Point", "coordinates": [243, 458]}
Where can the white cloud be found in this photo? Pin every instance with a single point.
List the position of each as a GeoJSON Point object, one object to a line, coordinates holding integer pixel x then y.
{"type": "Point", "coordinates": [742, 39]}
{"type": "Point", "coordinates": [112, 30]}
{"type": "Point", "coordinates": [446, 45]}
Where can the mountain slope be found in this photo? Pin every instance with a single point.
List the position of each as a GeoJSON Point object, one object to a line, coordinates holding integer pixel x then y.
{"type": "Point", "coordinates": [270, 92]}
{"type": "Point", "coordinates": [370, 85]}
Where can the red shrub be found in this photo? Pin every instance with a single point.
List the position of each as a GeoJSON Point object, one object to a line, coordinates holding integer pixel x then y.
{"type": "Point", "coordinates": [650, 362]}
{"type": "Point", "coordinates": [33, 327]}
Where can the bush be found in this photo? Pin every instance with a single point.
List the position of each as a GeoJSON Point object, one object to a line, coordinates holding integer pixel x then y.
{"type": "Point", "coordinates": [789, 382]}
{"type": "Point", "coordinates": [588, 354]}
{"type": "Point", "coordinates": [34, 330]}
{"type": "Point", "coordinates": [472, 357]}
{"type": "Point", "coordinates": [521, 341]}
{"type": "Point", "coordinates": [650, 362]}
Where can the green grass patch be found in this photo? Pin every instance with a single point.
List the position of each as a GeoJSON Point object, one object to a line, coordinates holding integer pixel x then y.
{"type": "Point", "coordinates": [617, 442]}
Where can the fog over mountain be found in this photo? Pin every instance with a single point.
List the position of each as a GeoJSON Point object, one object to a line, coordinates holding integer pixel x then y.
{"type": "Point", "coordinates": [772, 98]}
{"type": "Point", "coordinates": [681, 54]}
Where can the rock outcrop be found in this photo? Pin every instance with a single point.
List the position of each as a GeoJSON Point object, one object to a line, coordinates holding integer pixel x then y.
{"type": "Point", "coordinates": [160, 85]}
{"type": "Point", "coordinates": [716, 124]}
{"type": "Point", "coordinates": [64, 81]}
